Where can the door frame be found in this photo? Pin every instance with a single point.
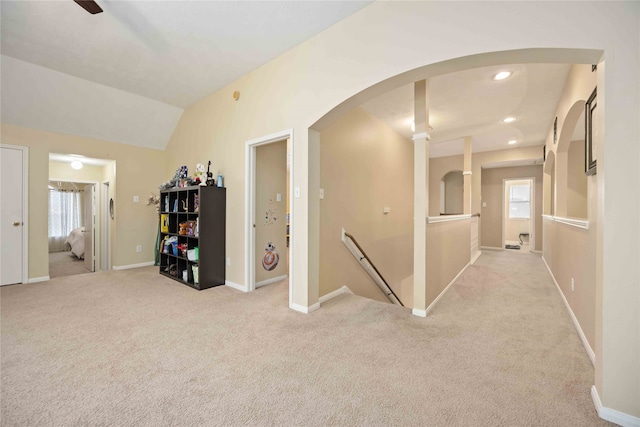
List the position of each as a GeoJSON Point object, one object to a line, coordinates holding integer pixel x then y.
{"type": "Point", "coordinates": [25, 210]}
{"type": "Point", "coordinates": [105, 237]}
{"type": "Point", "coordinates": [97, 220]}
{"type": "Point", "coordinates": [250, 203]}
{"type": "Point", "coordinates": [532, 210]}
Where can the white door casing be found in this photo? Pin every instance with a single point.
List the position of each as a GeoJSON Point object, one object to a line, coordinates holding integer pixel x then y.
{"type": "Point", "coordinates": [14, 214]}
{"type": "Point", "coordinates": [89, 209]}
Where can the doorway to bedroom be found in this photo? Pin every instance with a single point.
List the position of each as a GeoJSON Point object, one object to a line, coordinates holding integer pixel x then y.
{"type": "Point", "coordinates": [78, 230]}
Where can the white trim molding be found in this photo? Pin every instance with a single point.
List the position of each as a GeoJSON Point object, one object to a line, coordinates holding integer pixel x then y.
{"type": "Point", "coordinates": [574, 319]}
{"type": "Point", "coordinates": [130, 266]}
{"type": "Point", "coordinates": [421, 135]}
{"type": "Point", "coordinates": [491, 248]}
{"type": "Point", "coordinates": [444, 291]}
{"type": "Point", "coordinates": [334, 294]}
{"type": "Point", "coordinates": [467, 173]}
{"type": "Point", "coordinates": [270, 281]}
{"type": "Point", "coordinates": [612, 415]}
{"type": "Point", "coordinates": [447, 218]}
{"type": "Point", "coordinates": [419, 313]}
{"type": "Point", "coordinates": [303, 309]}
{"type": "Point", "coordinates": [573, 222]}
{"type": "Point", "coordinates": [475, 258]}
{"type": "Point", "coordinates": [38, 279]}
{"type": "Point", "coordinates": [235, 286]}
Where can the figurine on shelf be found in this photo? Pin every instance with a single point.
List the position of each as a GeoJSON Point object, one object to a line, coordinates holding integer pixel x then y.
{"type": "Point", "coordinates": [183, 229]}
{"type": "Point", "coordinates": [210, 181]}
{"type": "Point", "coordinates": [185, 205]}
{"type": "Point", "coordinates": [198, 175]}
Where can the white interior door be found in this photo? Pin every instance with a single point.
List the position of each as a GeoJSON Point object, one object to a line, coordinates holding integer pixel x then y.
{"type": "Point", "coordinates": [89, 218]}
{"type": "Point", "coordinates": [12, 216]}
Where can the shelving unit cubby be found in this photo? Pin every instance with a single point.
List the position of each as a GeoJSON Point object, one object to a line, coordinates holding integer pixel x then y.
{"type": "Point", "coordinates": [204, 208]}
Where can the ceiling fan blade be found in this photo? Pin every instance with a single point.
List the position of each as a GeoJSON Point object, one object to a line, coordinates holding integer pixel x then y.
{"type": "Point", "coordinates": [90, 6]}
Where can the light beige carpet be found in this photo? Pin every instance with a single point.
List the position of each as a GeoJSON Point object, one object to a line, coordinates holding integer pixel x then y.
{"type": "Point", "coordinates": [65, 263]}
{"type": "Point", "coordinates": [132, 348]}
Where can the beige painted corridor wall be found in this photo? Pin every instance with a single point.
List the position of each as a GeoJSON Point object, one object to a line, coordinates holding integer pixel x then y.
{"type": "Point", "coordinates": [570, 252]}
{"type": "Point", "coordinates": [365, 166]}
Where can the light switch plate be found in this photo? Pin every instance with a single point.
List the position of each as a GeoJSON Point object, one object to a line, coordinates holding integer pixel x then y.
{"type": "Point", "coordinates": [322, 193]}
{"type": "Point", "coordinates": [296, 192]}
{"type": "Point", "coordinates": [278, 197]}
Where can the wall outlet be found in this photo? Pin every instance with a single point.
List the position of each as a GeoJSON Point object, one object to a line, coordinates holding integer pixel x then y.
{"type": "Point", "coordinates": [484, 204]}
{"type": "Point", "coordinates": [139, 248]}
{"type": "Point", "coordinates": [228, 261]}
{"type": "Point", "coordinates": [136, 199]}
{"type": "Point", "coordinates": [573, 284]}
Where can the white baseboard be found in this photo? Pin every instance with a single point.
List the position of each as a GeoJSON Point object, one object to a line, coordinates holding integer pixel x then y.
{"type": "Point", "coordinates": [235, 286]}
{"type": "Point", "coordinates": [303, 309]}
{"type": "Point", "coordinates": [612, 415]}
{"type": "Point", "coordinates": [536, 252]}
{"type": "Point", "coordinates": [491, 248]}
{"type": "Point", "coordinates": [475, 258]}
{"type": "Point", "coordinates": [576, 324]}
{"type": "Point", "coordinates": [270, 281]}
{"type": "Point", "coordinates": [127, 267]}
{"type": "Point", "coordinates": [38, 279]}
{"type": "Point", "coordinates": [435, 301]}
{"type": "Point", "coordinates": [419, 313]}
{"type": "Point", "coordinates": [336, 293]}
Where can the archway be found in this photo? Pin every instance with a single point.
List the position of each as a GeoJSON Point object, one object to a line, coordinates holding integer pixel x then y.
{"type": "Point", "coordinates": [571, 182]}
{"type": "Point", "coordinates": [451, 193]}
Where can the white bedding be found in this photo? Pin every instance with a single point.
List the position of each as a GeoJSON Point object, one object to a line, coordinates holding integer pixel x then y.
{"type": "Point", "coordinates": [76, 241]}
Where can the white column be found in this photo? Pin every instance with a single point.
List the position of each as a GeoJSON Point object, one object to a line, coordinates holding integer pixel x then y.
{"type": "Point", "coordinates": [467, 175]}
{"type": "Point", "coordinates": [420, 196]}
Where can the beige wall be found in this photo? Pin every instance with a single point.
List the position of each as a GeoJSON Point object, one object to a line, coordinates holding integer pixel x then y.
{"type": "Point", "coordinates": [576, 181]}
{"type": "Point", "coordinates": [364, 167]}
{"type": "Point", "coordinates": [492, 195]}
{"type": "Point", "coordinates": [141, 172]}
{"type": "Point", "coordinates": [62, 171]}
{"type": "Point", "coordinates": [453, 193]}
{"type": "Point", "coordinates": [271, 179]}
{"type": "Point", "coordinates": [448, 252]}
{"type": "Point", "coordinates": [438, 168]}
{"type": "Point", "coordinates": [570, 252]}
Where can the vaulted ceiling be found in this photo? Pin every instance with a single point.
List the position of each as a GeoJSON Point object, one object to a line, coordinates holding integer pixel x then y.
{"type": "Point", "coordinates": [126, 75]}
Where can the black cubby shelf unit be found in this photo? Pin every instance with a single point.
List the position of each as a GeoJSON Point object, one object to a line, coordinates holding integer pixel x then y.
{"type": "Point", "coordinates": [194, 218]}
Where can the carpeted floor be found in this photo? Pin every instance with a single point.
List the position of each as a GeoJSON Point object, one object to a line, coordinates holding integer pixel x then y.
{"type": "Point", "coordinates": [131, 348]}
{"type": "Point", "coordinates": [65, 263]}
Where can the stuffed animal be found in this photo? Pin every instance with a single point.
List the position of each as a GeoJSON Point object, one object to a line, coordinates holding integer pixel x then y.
{"type": "Point", "coordinates": [270, 258]}
{"type": "Point", "coordinates": [184, 226]}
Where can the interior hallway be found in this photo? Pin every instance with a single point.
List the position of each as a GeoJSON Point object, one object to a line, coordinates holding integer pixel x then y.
{"type": "Point", "coordinates": [134, 348]}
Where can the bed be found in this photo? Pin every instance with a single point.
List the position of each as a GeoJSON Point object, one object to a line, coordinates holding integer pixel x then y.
{"type": "Point", "coordinates": [76, 242]}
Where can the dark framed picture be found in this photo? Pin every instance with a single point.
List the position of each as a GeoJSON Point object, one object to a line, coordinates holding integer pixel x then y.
{"type": "Point", "coordinates": [544, 153]}
{"type": "Point", "coordinates": [590, 160]}
{"type": "Point", "coordinates": [555, 130]}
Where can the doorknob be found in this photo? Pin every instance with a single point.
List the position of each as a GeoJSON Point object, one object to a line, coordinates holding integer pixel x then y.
{"type": "Point", "coordinates": [16, 223]}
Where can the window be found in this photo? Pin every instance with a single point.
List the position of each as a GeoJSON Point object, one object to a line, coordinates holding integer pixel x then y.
{"type": "Point", "coordinates": [519, 202]}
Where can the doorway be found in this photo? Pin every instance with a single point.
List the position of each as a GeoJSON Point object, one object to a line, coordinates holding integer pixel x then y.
{"type": "Point", "coordinates": [518, 217]}
{"type": "Point", "coordinates": [80, 245]}
{"type": "Point", "coordinates": [269, 210]}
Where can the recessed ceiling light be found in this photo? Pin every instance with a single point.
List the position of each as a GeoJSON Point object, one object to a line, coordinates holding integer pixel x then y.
{"type": "Point", "coordinates": [513, 141]}
{"type": "Point", "coordinates": [76, 165]}
{"type": "Point", "coordinates": [502, 75]}
{"type": "Point", "coordinates": [509, 119]}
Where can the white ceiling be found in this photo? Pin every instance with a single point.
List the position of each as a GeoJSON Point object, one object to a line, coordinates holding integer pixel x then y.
{"type": "Point", "coordinates": [126, 75]}
{"type": "Point", "coordinates": [471, 103]}
{"type": "Point", "coordinates": [175, 52]}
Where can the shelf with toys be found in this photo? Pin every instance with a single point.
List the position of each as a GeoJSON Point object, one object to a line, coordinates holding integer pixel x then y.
{"type": "Point", "coordinates": [192, 235]}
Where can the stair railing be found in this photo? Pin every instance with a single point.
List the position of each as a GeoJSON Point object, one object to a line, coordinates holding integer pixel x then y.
{"type": "Point", "coordinates": [366, 263]}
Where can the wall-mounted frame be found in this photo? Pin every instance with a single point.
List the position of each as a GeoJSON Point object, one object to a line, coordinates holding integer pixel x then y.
{"type": "Point", "coordinates": [544, 153]}
{"type": "Point", "coordinates": [555, 130]}
{"type": "Point", "coordinates": [589, 148]}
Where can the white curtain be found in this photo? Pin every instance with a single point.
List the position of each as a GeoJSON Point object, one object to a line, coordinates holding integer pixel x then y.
{"type": "Point", "coordinates": [65, 214]}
